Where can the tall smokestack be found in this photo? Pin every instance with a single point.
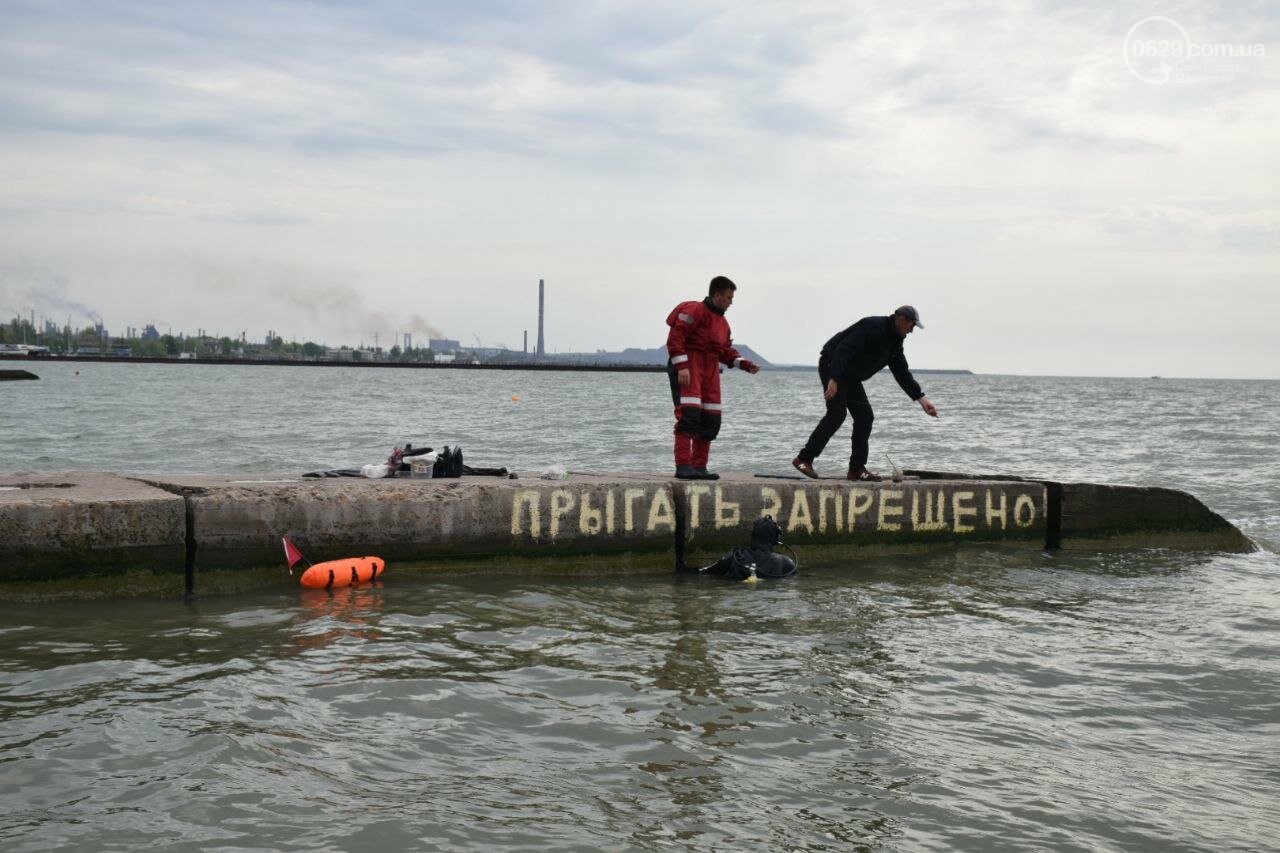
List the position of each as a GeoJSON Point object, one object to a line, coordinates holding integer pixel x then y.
{"type": "Point", "coordinates": [542, 344]}
{"type": "Point", "coordinates": [526, 341]}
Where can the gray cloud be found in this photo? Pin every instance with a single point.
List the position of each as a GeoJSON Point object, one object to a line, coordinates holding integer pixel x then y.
{"type": "Point", "coordinates": [332, 157]}
{"type": "Point", "coordinates": [427, 78]}
{"type": "Point", "coordinates": [418, 80]}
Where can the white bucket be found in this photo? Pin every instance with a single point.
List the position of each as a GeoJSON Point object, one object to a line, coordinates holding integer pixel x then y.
{"type": "Point", "coordinates": [422, 467]}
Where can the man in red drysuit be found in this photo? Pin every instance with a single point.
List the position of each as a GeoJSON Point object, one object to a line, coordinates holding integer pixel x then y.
{"type": "Point", "coordinates": [698, 343]}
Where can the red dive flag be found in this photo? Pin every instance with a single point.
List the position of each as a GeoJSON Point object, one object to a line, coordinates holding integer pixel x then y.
{"type": "Point", "coordinates": [291, 553]}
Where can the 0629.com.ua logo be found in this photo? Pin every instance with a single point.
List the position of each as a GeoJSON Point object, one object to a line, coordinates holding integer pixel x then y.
{"type": "Point", "coordinates": [1158, 50]}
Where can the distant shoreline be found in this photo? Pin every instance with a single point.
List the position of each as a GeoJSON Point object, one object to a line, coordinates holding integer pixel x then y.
{"type": "Point", "coordinates": [285, 362]}
{"type": "Point", "coordinates": [410, 365]}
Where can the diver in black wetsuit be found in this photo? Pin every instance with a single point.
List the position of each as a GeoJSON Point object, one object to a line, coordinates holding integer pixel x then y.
{"type": "Point", "coordinates": [753, 562]}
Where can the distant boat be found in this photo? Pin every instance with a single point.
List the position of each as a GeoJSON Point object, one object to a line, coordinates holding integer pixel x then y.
{"type": "Point", "coordinates": [22, 351]}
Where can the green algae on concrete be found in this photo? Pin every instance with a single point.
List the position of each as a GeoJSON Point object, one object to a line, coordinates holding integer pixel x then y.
{"type": "Point", "coordinates": [86, 523]}
{"type": "Point", "coordinates": [1096, 516]}
{"type": "Point", "coordinates": [135, 583]}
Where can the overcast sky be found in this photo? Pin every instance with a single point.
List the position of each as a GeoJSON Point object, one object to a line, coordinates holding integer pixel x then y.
{"type": "Point", "coordinates": [334, 171]}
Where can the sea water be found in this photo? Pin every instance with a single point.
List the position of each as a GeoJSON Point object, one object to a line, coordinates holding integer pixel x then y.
{"type": "Point", "coordinates": [977, 698]}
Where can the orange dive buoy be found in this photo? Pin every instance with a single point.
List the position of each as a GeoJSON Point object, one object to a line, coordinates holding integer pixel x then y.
{"type": "Point", "coordinates": [350, 571]}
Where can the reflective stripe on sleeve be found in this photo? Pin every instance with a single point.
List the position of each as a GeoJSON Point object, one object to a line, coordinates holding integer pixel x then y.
{"type": "Point", "coordinates": [691, 401]}
{"type": "Point", "coordinates": [679, 359]}
{"type": "Point", "coordinates": [712, 407]}
{"type": "Point", "coordinates": [684, 317]}
{"type": "Point", "coordinates": [737, 362]}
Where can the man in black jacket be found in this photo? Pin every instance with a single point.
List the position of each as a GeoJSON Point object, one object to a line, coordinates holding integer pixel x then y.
{"type": "Point", "coordinates": [847, 360]}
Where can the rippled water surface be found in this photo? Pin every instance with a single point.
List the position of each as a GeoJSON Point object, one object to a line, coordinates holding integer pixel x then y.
{"type": "Point", "coordinates": [980, 699]}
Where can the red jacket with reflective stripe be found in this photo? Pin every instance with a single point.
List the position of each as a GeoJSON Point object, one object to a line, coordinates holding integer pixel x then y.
{"type": "Point", "coordinates": [697, 327]}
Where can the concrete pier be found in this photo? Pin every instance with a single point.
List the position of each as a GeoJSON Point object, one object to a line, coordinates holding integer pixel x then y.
{"type": "Point", "coordinates": [85, 524]}
{"type": "Point", "coordinates": [68, 525]}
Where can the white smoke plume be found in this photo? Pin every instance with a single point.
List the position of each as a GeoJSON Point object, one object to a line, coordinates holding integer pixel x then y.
{"type": "Point", "coordinates": [26, 287]}
{"type": "Point", "coordinates": [342, 305]}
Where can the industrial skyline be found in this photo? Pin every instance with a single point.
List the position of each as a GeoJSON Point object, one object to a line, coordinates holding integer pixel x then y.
{"type": "Point", "coordinates": [49, 328]}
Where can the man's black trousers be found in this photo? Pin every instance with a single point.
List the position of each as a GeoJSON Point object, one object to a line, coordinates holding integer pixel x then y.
{"type": "Point", "coordinates": [852, 397]}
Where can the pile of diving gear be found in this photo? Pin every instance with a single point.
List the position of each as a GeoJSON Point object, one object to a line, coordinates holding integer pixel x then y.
{"type": "Point", "coordinates": [399, 460]}
{"type": "Point", "coordinates": [448, 463]}
{"type": "Point", "coordinates": [756, 561]}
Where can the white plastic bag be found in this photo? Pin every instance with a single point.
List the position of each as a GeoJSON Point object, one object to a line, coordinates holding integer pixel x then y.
{"type": "Point", "coordinates": [375, 471]}
{"type": "Point", "coordinates": [554, 472]}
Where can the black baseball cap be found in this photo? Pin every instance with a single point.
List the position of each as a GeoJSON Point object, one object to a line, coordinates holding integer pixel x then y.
{"type": "Point", "coordinates": [911, 314]}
